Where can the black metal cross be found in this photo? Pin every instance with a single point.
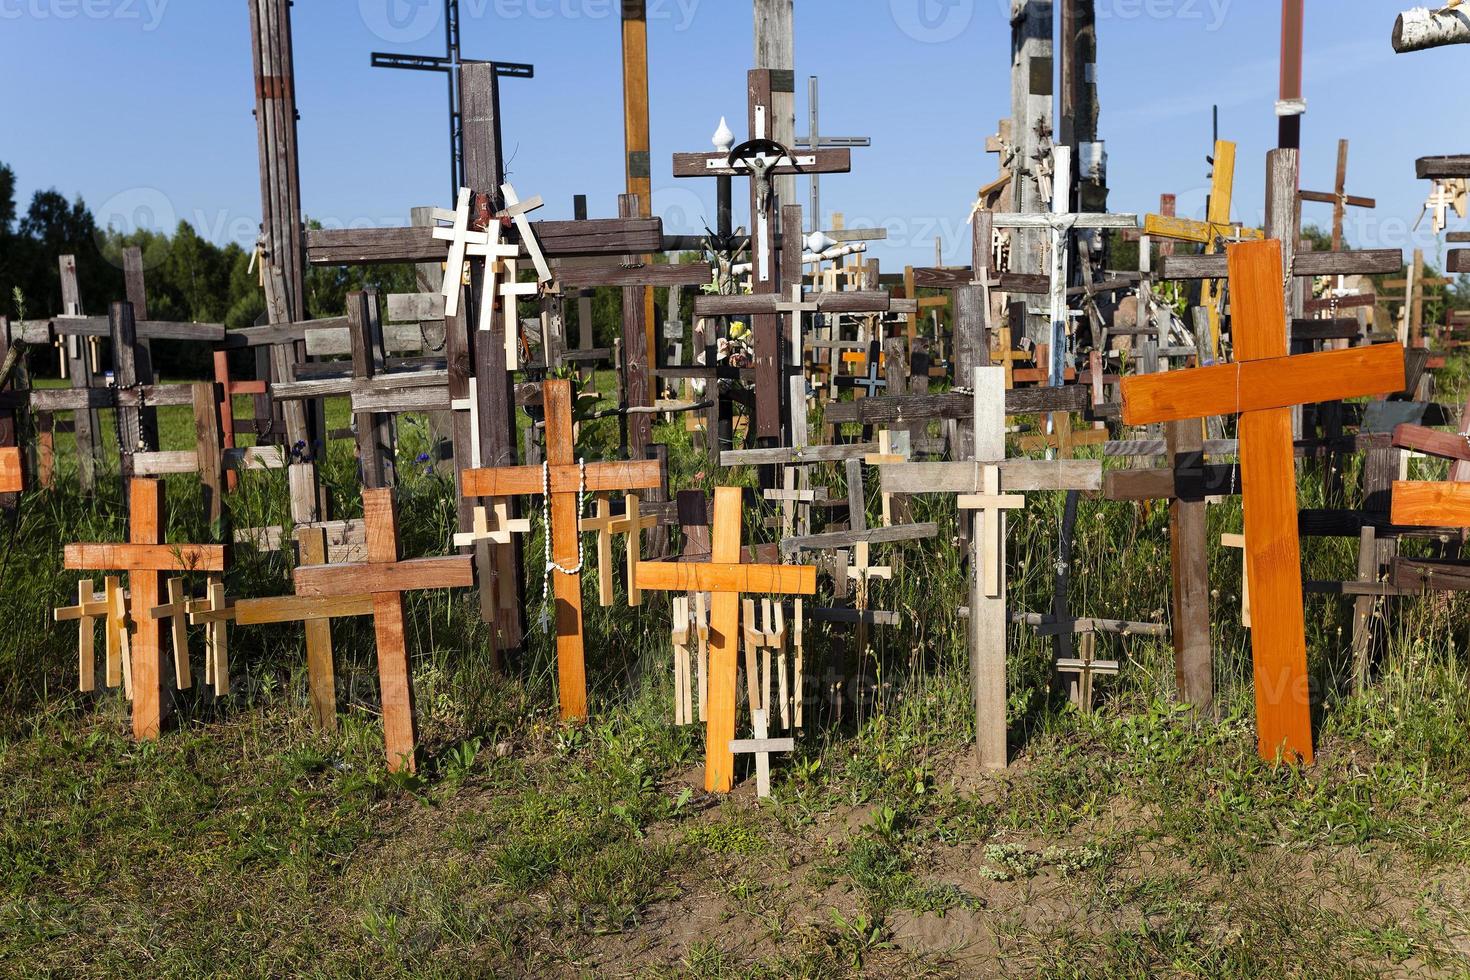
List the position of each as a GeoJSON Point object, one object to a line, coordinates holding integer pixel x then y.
{"type": "Point", "coordinates": [450, 63]}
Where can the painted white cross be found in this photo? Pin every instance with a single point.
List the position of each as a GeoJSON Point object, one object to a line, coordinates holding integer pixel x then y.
{"type": "Point", "coordinates": [460, 238]}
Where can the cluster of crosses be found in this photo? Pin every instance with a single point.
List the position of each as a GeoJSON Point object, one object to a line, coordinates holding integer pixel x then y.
{"type": "Point", "coordinates": [1025, 353]}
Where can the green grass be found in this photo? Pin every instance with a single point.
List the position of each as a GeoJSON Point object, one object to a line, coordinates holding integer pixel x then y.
{"type": "Point", "coordinates": [1137, 840]}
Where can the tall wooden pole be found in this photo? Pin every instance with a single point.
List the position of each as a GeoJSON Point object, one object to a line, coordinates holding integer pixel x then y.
{"type": "Point", "coordinates": [283, 239]}
{"type": "Point", "coordinates": [1032, 86]}
{"type": "Point", "coordinates": [1080, 111]}
{"type": "Point", "coordinates": [1291, 106]}
{"type": "Point", "coordinates": [636, 130]}
{"type": "Point", "coordinates": [775, 48]}
{"type": "Point", "coordinates": [484, 172]}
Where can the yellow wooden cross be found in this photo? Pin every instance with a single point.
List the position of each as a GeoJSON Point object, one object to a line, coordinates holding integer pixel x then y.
{"type": "Point", "coordinates": [1216, 228]}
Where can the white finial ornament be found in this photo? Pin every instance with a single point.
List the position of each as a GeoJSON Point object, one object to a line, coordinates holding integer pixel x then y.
{"type": "Point", "coordinates": [723, 139]}
{"type": "Point", "coordinates": [818, 242]}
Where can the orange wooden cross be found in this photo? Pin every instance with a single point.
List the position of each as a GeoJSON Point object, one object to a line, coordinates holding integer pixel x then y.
{"type": "Point", "coordinates": [12, 471]}
{"type": "Point", "coordinates": [564, 477]}
{"type": "Point", "coordinates": [725, 577]}
{"type": "Point", "coordinates": [1262, 387]}
{"type": "Point", "coordinates": [145, 558]}
{"type": "Point", "coordinates": [385, 578]}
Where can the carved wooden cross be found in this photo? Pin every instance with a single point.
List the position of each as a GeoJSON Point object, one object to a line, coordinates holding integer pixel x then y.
{"type": "Point", "coordinates": [145, 558]}
{"type": "Point", "coordinates": [727, 579]}
{"type": "Point", "coordinates": [384, 578]}
{"type": "Point", "coordinates": [562, 477]}
{"type": "Point", "coordinates": [1262, 387]}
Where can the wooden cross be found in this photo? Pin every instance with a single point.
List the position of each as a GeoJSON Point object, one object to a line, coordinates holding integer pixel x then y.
{"type": "Point", "coordinates": [563, 477]}
{"type": "Point", "coordinates": [1423, 504]}
{"type": "Point", "coordinates": [109, 605]}
{"type": "Point", "coordinates": [727, 579]}
{"type": "Point", "coordinates": [385, 578]}
{"type": "Point", "coordinates": [1085, 666]}
{"type": "Point", "coordinates": [1058, 224]}
{"type": "Point", "coordinates": [683, 664]}
{"type": "Point", "coordinates": [228, 390]}
{"type": "Point", "coordinates": [1339, 198]}
{"type": "Point", "coordinates": [1262, 387]}
{"type": "Point", "coordinates": [760, 159]}
{"type": "Point", "coordinates": [1216, 229]}
{"type": "Point", "coordinates": [765, 632]}
{"type": "Point", "coordinates": [608, 525]}
{"type": "Point", "coordinates": [144, 558]}
{"type": "Point", "coordinates": [460, 237]}
{"type": "Point", "coordinates": [1063, 438]}
{"type": "Point", "coordinates": [988, 618]}
{"type": "Point", "coordinates": [761, 746]}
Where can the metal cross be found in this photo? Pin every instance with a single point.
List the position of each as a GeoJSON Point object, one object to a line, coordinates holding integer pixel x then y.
{"type": "Point", "coordinates": [814, 141]}
{"type": "Point", "coordinates": [449, 63]}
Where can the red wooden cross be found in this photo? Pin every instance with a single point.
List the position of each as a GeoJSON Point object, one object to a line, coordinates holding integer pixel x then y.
{"type": "Point", "coordinates": [1262, 386]}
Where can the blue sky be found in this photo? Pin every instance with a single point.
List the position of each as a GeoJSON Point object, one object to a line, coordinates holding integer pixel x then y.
{"type": "Point", "coordinates": [144, 106]}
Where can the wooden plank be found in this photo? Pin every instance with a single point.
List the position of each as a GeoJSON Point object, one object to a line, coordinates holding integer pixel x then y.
{"type": "Point", "coordinates": [1425, 504]}
{"type": "Point", "coordinates": [728, 577]}
{"type": "Point", "coordinates": [1458, 261]}
{"type": "Point", "coordinates": [796, 455]}
{"type": "Point", "coordinates": [724, 625]}
{"type": "Point", "coordinates": [517, 480]}
{"type": "Point", "coordinates": [1160, 484]}
{"type": "Point", "coordinates": [1194, 674]}
{"type": "Point", "coordinates": [162, 463]}
{"type": "Point", "coordinates": [571, 666]}
{"type": "Point", "coordinates": [320, 671]}
{"type": "Point", "coordinates": [1379, 261]}
{"type": "Point", "coordinates": [146, 521]}
{"type": "Point", "coordinates": [829, 161]}
{"type": "Point", "coordinates": [903, 410]}
{"type": "Point", "coordinates": [12, 470]}
{"type": "Point", "coordinates": [299, 609]}
{"type": "Point", "coordinates": [1017, 476]}
{"type": "Point", "coordinates": [45, 331]}
{"type": "Point", "coordinates": [141, 557]}
{"type": "Point", "coordinates": [558, 239]}
{"type": "Point", "coordinates": [1263, 384]}
{"type": "Point", "coordinates": [636, 274]}
{"type": "Point", "coordinates": [368, 578]}
{"type": "Point", "coordinates": [1412, 576]}
{"type": "Point", "coordinates": [846, 539]}
{"type": "Point", "coordinates": [394, 680]}
{"type": "Point", "coordinates": [1445, 445]}
{"type": "Point", "coordinates": [838, 302]}
{"type": "Point", "coordinates": [1442, 167]}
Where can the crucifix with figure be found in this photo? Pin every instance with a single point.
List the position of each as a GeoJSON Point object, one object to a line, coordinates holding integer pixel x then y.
{"type": "Point", "coordinates": [727, 578]}
{"type": "Point", "coordinates": [562, 480]}
{"type": "Point", "coordinates": [761, 158]}
{"type": "Point", "coordinates": [1262, 387]}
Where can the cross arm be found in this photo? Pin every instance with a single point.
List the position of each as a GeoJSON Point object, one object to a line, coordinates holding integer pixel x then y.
{"type": "Point", "coordinates": [296, 609]}
{"type": "Point", "coordinates": [145, 557]}
{"type": "Point", "coordinates": [368, 578]}
{"type": "Point", "coordinates": [712, 577]}
{"type": "Point", "coordinates": [833, 161]}
{"type": "Point", "coordinates": [511, 481]}
{"type": "Point", "coordinates": [1200, 232]}
{"type": "Point", "coordinates": [877, 301]}
{"type": "Point", "coordinates": [1368, 262]}
{"type": "Point", "coordinates": [1432, 442]}
{"type": "Point", "coordinates": [1327, 197]}
{"type": "Point", "coordinates": [1420, 504]}
{"type": "Point", "coordinates": [1016, 475]}
{"type": "Point", "coordinates": [1253, 386]}
{"type": "Point", "coordinates": [1041, 219]}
